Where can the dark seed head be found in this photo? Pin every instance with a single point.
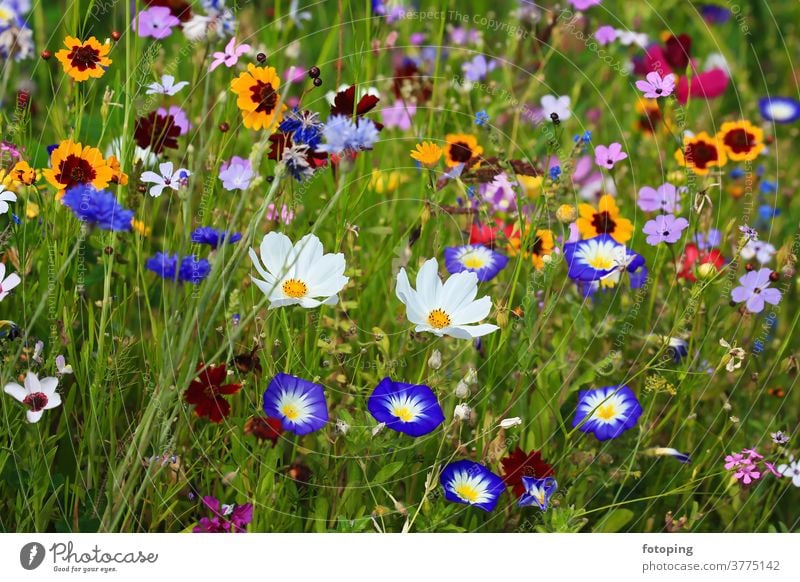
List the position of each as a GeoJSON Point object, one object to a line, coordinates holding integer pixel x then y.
{"type": "Point", "coordinates": [261, 57]}
{"type": "Point", "coordinates": [109, 250]}
{"type": "Point", "coordinates": [749, 267]}
{"type": "Point", "coordinates": [141, 188]}
{"type": "Point", "coordinates": [313, 72]}
{"type": "Point", "coordinates": [116, 35]}
{"type": "Point", "coordinates": [773, 276]}
{"type": "Point", "coordinates": [223, 127]}
{"type": "Point", "coordinates": [270, 179]}
{"type": "Point", "coordinates": [46, 55]}
{"type": "Point", "coordinates": [317, 82]}
{"type": "Point", "coordinates": [732, 303]}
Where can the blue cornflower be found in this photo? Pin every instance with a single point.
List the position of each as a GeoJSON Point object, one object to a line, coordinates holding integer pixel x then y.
{"type": "Point", "coordinates": [206, 235]}
{"type": "Point", "coordinates": [587, 136]}
{"type": "Point", "coordinates": [555, 173]}
{"type": "Point", "coordinates": [98, 207]}
{"type": "Point", "coordinates": [193, 270]}
{"type": "Point", "coordinates": [737, 173]}
{"type": "Point", "coordinates": [299, 404]}
{"type": "Point", "coordinates": [305, 127]}
{"type": "Point", "coordinates": [767, 212]}
{"type": "Point", "coordinates": [471, 483]}
{"type": "Point", "coordinates": [163, 265]}
{"type": "Point", "coordinates": [341, 134]}
{"type": "Point", "coordinates": [768, 187]}
{"type": "Point", "coordinates": [481, 118]}
{"type": "Point", "coordinates": [408, 408]}
{"type": "Point", "coordinates": [607, 412]}
{"type": "Point", "coordinates": [537, 492]}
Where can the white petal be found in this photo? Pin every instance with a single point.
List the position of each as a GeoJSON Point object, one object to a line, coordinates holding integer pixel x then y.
{"type": "Point", "coordinates": [428, 284]}
{"type": "Point", "coordinates": [259, 267]}
{"type": "Point", "coordinates": [459, 291]}
{"type": "Point", "coordinates": [472, 312]}
{"type": "Point", "coordinates": [49, 385]}
{"type": "Point", "coordinates": [415, 311]}
{"type": "Point", "coordinates": [10, 282]}
{"type": "Point", "coordinates": [309, 253]}
{"type": "Point", "coordinates": [151, 178]}
{"type": "Point", "coordinates": [328, 288]}
{"type": "Point", "coordinates": [15, 390]}
{"type": "Point", "coordinates": [470, 331]}
{"type": "Point", "coordinates": [34, 417]}
{"type": "Point", "coordinates": [275, 250]}
{"type": "Point", "coordinates": [268, 288]}
{"type": "Point", "coordinates": [32, 383]}
{"type": "Point", "coordinates": [53, 400]}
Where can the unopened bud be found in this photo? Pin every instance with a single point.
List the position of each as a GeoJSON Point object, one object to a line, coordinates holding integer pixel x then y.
{"type": "Point", "coordinates": [435, 361]}
{"type": "Point", "coordinates": [566, 213]}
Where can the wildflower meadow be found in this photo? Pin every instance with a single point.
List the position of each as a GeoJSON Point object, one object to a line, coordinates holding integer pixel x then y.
{"type": "Point", "coordinates": [399, 266]}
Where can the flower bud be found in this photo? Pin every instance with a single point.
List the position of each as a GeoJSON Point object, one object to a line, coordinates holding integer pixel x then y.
{"type": "Point", "coordinates": [706, 271]}
{"type": "Point", "coordinates": [435, 361]}
{"type": "Point", "coordinates": [462, 411]}
{"type": "Point", "coordinates": [566, 213]}
{"type": "Point", "coordinates": [462, 389]}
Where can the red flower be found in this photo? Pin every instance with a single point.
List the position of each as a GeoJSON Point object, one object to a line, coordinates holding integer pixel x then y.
{"type": "Point", "coordinates": [264, 428]}
{"type": "Point", "coordinates": [157, 132]}
{"type": "Point", "coordinates": [705, 84]}
{"type": "Point", "coordinates": [486, 234]}
{"type": "Point", "coordinates": [694, 257]}
{"type": "Point", "coordinates": [518, 465]}
{"type": "Point", "coordinates": [207, 392]}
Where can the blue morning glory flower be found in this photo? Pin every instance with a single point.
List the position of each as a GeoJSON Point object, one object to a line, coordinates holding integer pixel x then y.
{"type": "Point", "coordinates": [779, 109]}
{"type": "Point", "coordinates": [537, 492]}
{"type": "Point", "coordinates": [478, 259]}
{"type": "Point", "coordinates": [603, 259]}
{"type": "Point", "coordinates": [471, 483]}
{"type": "Point", "coordinates": [205, 235]}
{"type": "Point", "coordinates": [163, 265]}
{"type": "Point", "coordinates": [408, 408]}
{"type": "Point", "coordinates": [97, 207]}
{"type": "Point", "coordinates": [193, 270]}
{"type": "Point", "coordinates": [299, 404]}
{"type": "Point", "coordinates": [607, 412]}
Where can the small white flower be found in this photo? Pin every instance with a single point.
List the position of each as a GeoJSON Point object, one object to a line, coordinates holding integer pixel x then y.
{"type": "Point", "coordinates": [733, 359]}
{"type": "Point", "coordinates": [509, 422]}
{"type": "Point", "coordinates": [37, 395]}
{"type": "Point", "coordinates": [462, 411]}
{"type": "Point", "coordinates": [5, 198]}
{"type": "Point", "coordinates": [558, 105]}
{"type": "Point", "coordinates": [791, 470]}
{"type": "Point", "coordinates": [167, 86]}
{"type": "Point", "coordinates": [445, 308]}
{"type": "Point", "coordinates": [298, 274]}
{"type": "Point", "coordinates": [168, 178]}
{"type": "Point", "coordinates": [629, 37]}
{"type": "Point", "coordinates": [7, 283]}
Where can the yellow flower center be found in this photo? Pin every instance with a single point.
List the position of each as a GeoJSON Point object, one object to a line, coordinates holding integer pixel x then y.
{"type": "Point", "coordinates": [467, 493]}
{"type": "Point", "coordinates": [295, 288]}
{"type": "Point", "coordinates": [403, 413]}
{"type": "Point", "coordinates": [601, 262]}
{"type": "Point", "coordinates": [438, 319]}
{"type": "Point", "coordinates": [290, 412]}
{"type": "Point", "coordinates": [606, 411]}
{"type": "Point", "coordinates": [473, 261]}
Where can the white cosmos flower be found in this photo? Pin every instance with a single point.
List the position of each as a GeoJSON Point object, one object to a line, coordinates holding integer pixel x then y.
{"type": "Point", "coordinates": [298, 274]}
{"type": "Point", "coordinates": [7, 283]}
{"type": "Point", "coordinates": [445, 308]}
{"type": "Point", "coordinates": [37, 395]}
{"type": "Point", "coordinates": [5, 198]}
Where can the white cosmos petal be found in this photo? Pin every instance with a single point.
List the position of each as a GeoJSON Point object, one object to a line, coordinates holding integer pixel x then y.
{"type": "Point", "coordinates": [428, 284]}
{"type": "Point", "coordinates": [275, 250]}
{"type": "Point", "coordinates": [472, 312]}
{"type": "Point", "coordinates": [324, 269]}
{"type": "Point", "coordinates": [10, 282]}
{"type": "Point", "coordinates": [459, 289]}
{"type": "Point", "coordinates": [327, 288]}
{"type": "Point", "coordinates": [310, 251]}
{"type": "Point", "coordinates": [267, 287]}
{"type": "Point", "coordinates": [15, 390]}
{"type": "Point", "coordinates": [471, 331]}
{"type": "Point", "coordinates": [410, 298]}
{"type": "Point", "coordinates": [2, 271]}
{"type": "Point", "coordinates": [34, 417]}
{"type": "Point", "coordinates": [259, 267]}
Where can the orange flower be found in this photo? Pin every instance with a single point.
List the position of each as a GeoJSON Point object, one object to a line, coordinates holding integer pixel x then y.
{"type": "Point", "coordinates": [460, 149]}
{"type": "Point", "coordinates": [82, 60]}
{"type": "Point", "coordinates": [427, 153]}
{"type": "Point", "coordinates": [72, 164]}
{"type": "Point", "coordinates": [258, 97]}
{"type": "Point", "coordinates": [741, 140]}
{"type": "Point", "coordinates": [605, 220]}
{"type": "Point", "coordinates": [119, 176]}
{"type": "Point", "coordinates": [535, 247]}
{"type": "Point", "coordinates": [23, 173]}
{"type": "Point", "coordinates": [701, 152]}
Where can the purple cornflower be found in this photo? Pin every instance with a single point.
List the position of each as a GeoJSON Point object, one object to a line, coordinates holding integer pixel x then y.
{"type": "Point", "coordinates": [657, 86]}
{"type": "Point", "coordinates": [779, 437]}
{"type": "Point", "coordinates": [225, 518]}
{"type": "Point", "coordinates": [608, 156]}
{"type": "Point", "coordinates": [236, 174]}
{"type": "Point", "coordinates": [664, 198]}
{"type": "Point", "coordinates": [754, 289]}
{"type": "Point", "coordinates": [478, 68]}
{"type": "Point", "coordinates": [605, 35]}
{"type": "Point", "coordinates": [155, 22]}
{"type": "Point", "coordinates": [710, 240]}
{"type": "Point", "coordinates": [749, 232]}
{"type": "Point", "coordinates": [664, 228]}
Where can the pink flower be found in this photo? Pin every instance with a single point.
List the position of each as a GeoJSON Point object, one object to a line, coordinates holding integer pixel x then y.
{"type": "Point", "coordinates": [231, 55]}
{"type": "Point", "coordinates": [656, 86]}
{"type": "Point", "coordinates": [605, 35]}
{"type": "Point", "coordinates": [747, 474]}
{"type": "Point", "coordinates": [156, 22]}
{"type": "Point", "coordinates": [584, 4]}
{"type": "Point", "coordinates": [733, 460]}
{"type": "Point", "coordinates": [607, 157]}
{"type": "Point", "coordinates": [398, 115]}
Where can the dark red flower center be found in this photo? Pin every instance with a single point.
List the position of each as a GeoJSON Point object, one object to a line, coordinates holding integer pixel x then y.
{"type": "Point", "coordinates": [460, 152]}
{"type": "Point", "coordinates": [266, 97]}
{"type": "Point", "coordinates": [84, 57]}
{"type": "Point", "coordinates": [75, 170]}
{"type": "Point", "coordinates": [701, 154]}
{"type": "Point", "coordinates": [36, 401]}
{"type": "Point", "coordinates": [603, 223]}
{"type": "Point", "coordinates": [739, 141]}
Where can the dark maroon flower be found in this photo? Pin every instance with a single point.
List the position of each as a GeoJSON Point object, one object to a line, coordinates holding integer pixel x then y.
{"type": "Point", "coordinates": [207, 392]}
{"type": "Point", "coordinates": [678, 51]}
{"type": "Point", "coordinates": [264, 428]}
{"type": "Point", "coordinates": [518, 465]}
{"type": "Point", "coordinates": [157, 131]}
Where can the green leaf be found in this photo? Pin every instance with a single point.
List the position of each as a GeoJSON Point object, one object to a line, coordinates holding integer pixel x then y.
{"type": "Point", "coordinates": [388, 471]}
{"type": "Point", "coordinates": [614, 521]}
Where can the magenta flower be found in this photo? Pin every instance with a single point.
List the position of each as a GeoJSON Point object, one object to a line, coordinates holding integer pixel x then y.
{"type": "Point", "coordinates": [155, 22]}
{"type": "Point", "coordinates": [733, 460]}
{"type": "Point", "coordinates": [664, 228]}
{"type": "Point", "coordinates": [225, 518]}
{"type": "Point", "coordinates": [657, 86]}
{"type": "Point", "coordinates": [230, 56]}
{"type": "Point", "coordinates": [747, 474]}
{"type": "Point", "coordinates": [665, 198]}
{"type": "Point", "coordinates": [605, 35]}
{"type": "Point", "coordinates": [584, 4]}
{"type": "Point", "coordinates": [398, 115]}
{"type": "Point", "coordinates": [755, 291]}
{"type": "Point", "coordinates": [608, 156]}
